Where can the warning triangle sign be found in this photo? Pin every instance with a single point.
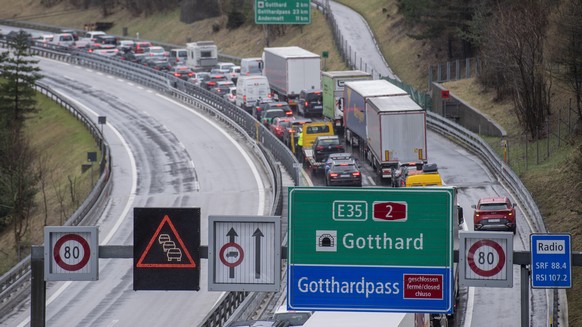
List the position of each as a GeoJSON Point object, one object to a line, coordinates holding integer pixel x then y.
{"type": "Point", "coordinates": [166, 249]}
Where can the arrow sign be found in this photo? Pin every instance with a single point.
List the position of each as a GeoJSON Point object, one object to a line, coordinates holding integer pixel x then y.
{"type": "Point", "coordinates": [231, 235]}
{"type": "Point", "coordinates": [249, 244]}
{"type": "Point", "coordinates": [257, 235]}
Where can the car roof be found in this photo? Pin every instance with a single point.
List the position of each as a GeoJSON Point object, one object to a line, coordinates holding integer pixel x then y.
{"type": "Point", "coordinates": [328, 137]}
{"type": "Point", "coordinates": [341, 155]}
{"type": "Point", "coordinates": [499, 199]}
{"type": "Point", "coordinates": [301, 121]}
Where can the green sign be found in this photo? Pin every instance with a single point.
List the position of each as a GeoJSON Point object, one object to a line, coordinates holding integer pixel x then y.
{"type": "Point", "coordinates": [371, 226]}
{"type": "Point", "coordinates": [282, 12]}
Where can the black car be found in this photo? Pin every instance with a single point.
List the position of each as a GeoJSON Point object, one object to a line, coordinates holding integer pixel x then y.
{"type": "Point", "coordinates": [260, 106]}
{"type": "Point", "coordinates": [281, 105]}
{"type": "Point", "coordinates": [342, 171]}
{"type": "Point", "coordinates": [182, 72]}
{"type": "Point", "coordinates": [310, 102]}
{"type": "Point", "coordinates": [323, 146]}
{"type": "Point", "coordinates": [221, 91]}
{"type": "Point", "coordinates": [157, 63]}
{"type": "Point", "coordinates": [209, 81]}
{"type": "Point", "coordinates": [128, 56]}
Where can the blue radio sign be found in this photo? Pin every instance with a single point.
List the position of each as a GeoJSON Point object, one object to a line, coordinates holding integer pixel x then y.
{"type": "Point", "coordinates": [551, 261]}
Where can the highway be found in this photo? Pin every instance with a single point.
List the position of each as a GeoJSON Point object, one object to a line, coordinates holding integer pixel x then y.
{"type": "Point", "coordinates": [164, 155]}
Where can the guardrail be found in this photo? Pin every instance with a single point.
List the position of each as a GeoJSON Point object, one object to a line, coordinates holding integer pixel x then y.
{"type": "Point", "coordinates": [15, 283]}
{"type": "Point", "coordinates": [213, 104]}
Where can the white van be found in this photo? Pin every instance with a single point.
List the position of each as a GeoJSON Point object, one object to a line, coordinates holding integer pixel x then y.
{"type": "Point", "coordinates": [63, 40]}
{"type": "Point", "coordinates": [249, 89]}
{"type": "Point", "coordinates": [251, 66]}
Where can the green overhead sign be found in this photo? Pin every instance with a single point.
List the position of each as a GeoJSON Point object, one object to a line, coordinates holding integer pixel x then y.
{"type": "Point", "coordinates": [371, 249]}
{"type": "Point", "coordinates": [282, 12]}
{"type": "Point", "coordinates": [371, 226]}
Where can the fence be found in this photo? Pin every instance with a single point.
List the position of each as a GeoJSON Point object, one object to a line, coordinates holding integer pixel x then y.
{"type": "Point", "coordinates": [453, 71]}
{"type": "Point", "coordinates": [524, 151]}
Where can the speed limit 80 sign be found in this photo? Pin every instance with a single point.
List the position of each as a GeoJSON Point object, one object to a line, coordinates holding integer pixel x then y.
{"type": "Point", "coordinates": [486, 259]}
{"type": "Point", "coordinates": [71, 253]}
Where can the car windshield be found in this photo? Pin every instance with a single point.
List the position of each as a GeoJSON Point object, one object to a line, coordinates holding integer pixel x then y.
{"type": "Point", "coordinates": [344, 168]}
{"type": "Point", "coordinates": [493, 206]}
{"type": "Point", "coordinates": [325, 142]}
{"type": "Point", "coordinates": [315, 96]}
{"type": "Point", "coordinates": [274, 113]}
{"type": "Point", "coordinates": [293, 318]}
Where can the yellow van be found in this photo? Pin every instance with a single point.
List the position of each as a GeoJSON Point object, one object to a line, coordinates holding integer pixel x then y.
{"type": "Point", "coordinates": [425, 179]}
{"type": "Point", "coordinates": [312, 130]}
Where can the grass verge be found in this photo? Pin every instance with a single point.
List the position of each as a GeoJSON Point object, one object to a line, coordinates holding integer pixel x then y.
{"type": "Point", "coordinates": [61, 143]}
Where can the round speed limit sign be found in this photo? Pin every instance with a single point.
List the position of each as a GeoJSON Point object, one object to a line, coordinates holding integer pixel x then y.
{"type": "Point", "coordinates": [486, 259]}
{"type": "Point", "coordinates": [71, 253]}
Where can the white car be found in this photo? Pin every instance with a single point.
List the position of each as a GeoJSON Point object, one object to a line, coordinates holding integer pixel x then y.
{"type": "Point", "coordinates": [233, 73]}
{"type": "Point", "coordinates": [223, 67]}
{"type": "Point", "coordinates": [44, 39]}
{"type": "Point", "coordinates": [231, 95]}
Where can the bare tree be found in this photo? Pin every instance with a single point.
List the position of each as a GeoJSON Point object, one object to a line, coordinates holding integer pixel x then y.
{"type": "Point", "coordinates": [567, 49]}
{"type": "Point", "coordinates": [513, 51]}
{"type": "Point", "coordinates": [18, 178]}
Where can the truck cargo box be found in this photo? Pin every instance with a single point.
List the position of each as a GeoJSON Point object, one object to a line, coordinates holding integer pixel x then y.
{"type": "Point", "coordinates": [333, 88]}
{"type": "Point", "coordinates": [290, 70]}
{"type": "Point", "coordinates": [396, 129]}
{"type": "Point", "coordinates": [355, 95]}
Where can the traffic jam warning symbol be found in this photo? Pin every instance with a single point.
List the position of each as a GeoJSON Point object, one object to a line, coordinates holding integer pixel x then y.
{"type": "Point", "coordinates": [171, 245]}
{"type": "Point", "coordinates": [486, 259]}
{"type": "Point", "coordinates": [166, 248]}
{"type": "Point", "coordinates": [71, 253]}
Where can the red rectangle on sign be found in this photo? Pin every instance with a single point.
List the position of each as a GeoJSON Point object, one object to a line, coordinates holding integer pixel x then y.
{"type": "Point", "coordinates": [423, 286]}
{"type": "Point", "coordinates": [390, 211]}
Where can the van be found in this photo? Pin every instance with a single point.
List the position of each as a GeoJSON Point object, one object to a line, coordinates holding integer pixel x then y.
{"type": "Point", "coordinates": [251, 66]}
{"type": "Point", "coordinates": [178, 56]}
{"type": "Point", "coordinates": [312, 130]}
{"type": "Point", "coordinates": [63, 40]}
{"type": "Point", "coordinates": [249, 89]}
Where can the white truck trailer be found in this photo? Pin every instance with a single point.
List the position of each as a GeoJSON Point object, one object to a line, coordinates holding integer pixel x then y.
{"type": "Point", "coordinates": [356, 95]}
{"type": "Point", "coordinates": [396, 130]}
{"type": "Point", "coordinates": [202, 55]}
{"type": "Point", "coordinates": [291, 70]}
{"type": "Point", "coordinates": [333, 89]}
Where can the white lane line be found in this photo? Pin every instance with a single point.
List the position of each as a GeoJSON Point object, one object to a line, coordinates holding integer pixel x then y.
{"type": "Point", "coordinates": [470, 303]}
{"type": "Point", "coordinates": [254, 170]}
{"type": "Point", "coordinates": [128, 205]}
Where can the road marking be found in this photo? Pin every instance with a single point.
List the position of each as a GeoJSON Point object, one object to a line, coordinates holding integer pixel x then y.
{"type": "Point", "coordinates": [256, 174]}
{"type": "Point", "coordinates": [470, 303]}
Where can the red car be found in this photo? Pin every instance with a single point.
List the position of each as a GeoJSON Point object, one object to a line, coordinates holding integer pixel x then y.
{"type": "Point", "coordinates": [279, 125]}
{"type": "Point", "coordinates": [494, 213]}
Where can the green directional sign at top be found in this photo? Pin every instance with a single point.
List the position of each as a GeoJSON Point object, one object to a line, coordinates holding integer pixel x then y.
{"type": "Point", "coordinates": [282, 12]}
{"type": "Point", "coordinates": [371, 226]}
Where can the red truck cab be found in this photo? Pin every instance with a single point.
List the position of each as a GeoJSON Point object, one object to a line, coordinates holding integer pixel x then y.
{"type": "Point", "coordinates": [494, 213]}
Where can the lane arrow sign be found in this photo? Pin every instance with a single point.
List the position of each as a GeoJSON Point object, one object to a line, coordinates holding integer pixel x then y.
{"type": "Point", "coordinates": [257, 235]}
{"type": "Point", "coordinates": [231, 234]}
